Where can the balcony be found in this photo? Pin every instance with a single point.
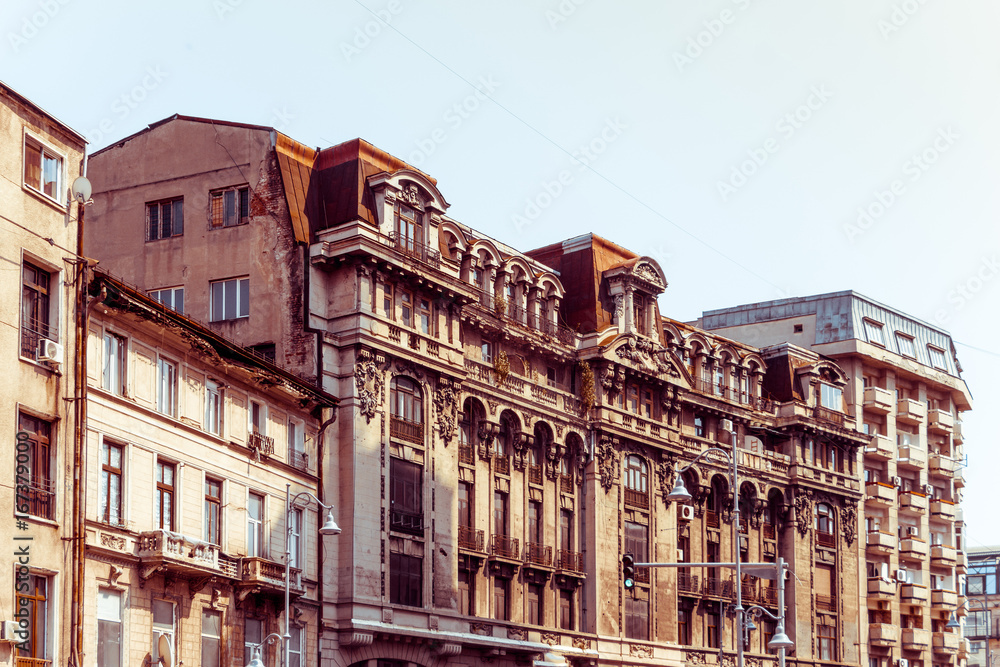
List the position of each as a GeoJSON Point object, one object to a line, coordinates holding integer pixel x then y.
{"type": "Point", "coordinates": [638, 499]}
{"type": "Point", "coordinates": [914, 593]}
{"type": "Point", "coordinates": [910, 411]}
{"type": "Point", "coordinates": [825, 603]}
{"type": "Point", "coordinates": [881, 448]}
{"type": "Point", "coordinates": [261, 445]}
{"type": "Point", "coordinates": [501, 464]}
{"type": "Point", "coordinates": [942, 465]}
{"type": "Point", "coordinates": [883, 634]}
{"type": "Point", "coordinates": [943, 509]}
{"type": "Point", "coordinates": [912, 501]}
{"type": "Point", "coordinates": [471, 539]}
{"type": "Point", "coordinates": [466, 455]}
{"type": "Point", "coordinates": [716, 587]}
{"type": "Point", "coordinates": [404, 429]}
{"type": "Point", "coordinates": [412, 248]}
{"type": "Point", "coordinates": [956, 433]}
{"type": "Point", "coordinates": [505, 546]}
{"type": "Point", "coordinates": [826, 414]}
{"type": "Point", "coordinates": [260, 575]}
{"type": "Point", "coordinates": [916, 639]}
{"type": "Point", "coordinates": [687, 583]}
{"type": "Point", "coordinates": [940, 421]}
{"type": "Point", "coordinates": [961, 563]}
{"type": "Point", "coordinates": [946, 643]}
{"type": "Point", "coordinates": [912, 456]}
{"type": "Point", "coordinates": [535, 474]}
{"type": "Point", "coordinates": [880, 494]}
{"type": "Point", "coordinates": [711, 519]}
{"type": "Point", "coordinates": [569, 561]}
{"type": "Point", "coordinates": [958, 478]}
{"type": "Point", "coordinates": [944, 600]}
{"type": "Point", "coordinates": [879, 542]}
{"type": "Point", "coordinates": [404, 521]}
{"type": "Point", "coordinates": [913, 547]}
{"type": "Point", "coordinates": [881, 589]}
{"type": "Point", "coordinates": [943, 555]}
{"type": "Point", "coordinates": [878, 400]}
{"type": "Point", "coordinates": [537, 554]}
{"type": "Point", "coordinates": [511, 312]}
{"type": "Point", "coordinates": [164, 551]}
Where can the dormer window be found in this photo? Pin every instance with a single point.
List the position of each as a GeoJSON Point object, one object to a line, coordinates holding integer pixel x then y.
{"type": "Point", "coordinates": [639, 305]}
{"type": "Point", "coordinates": [409, 229]}
{"type": "Point", "coordinates": [905, 345]}
{"type": "Point", "coordinates": [831, 397]}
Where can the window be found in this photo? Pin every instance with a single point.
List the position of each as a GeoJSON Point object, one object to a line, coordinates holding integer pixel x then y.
{"type": "Point", "coordinates": [566, 530]}
{"type": "Point", "coordinates": [873, 330]}
{"type": "Point", "coordinates": [33, 598]}
{"type": "Point", "coordinates": [387, 304]}
{"type": "Point", "coordinates": [112, 456]}
{"type": "Point", "coordinates": [295, 646]}
{"type": "Point", "coordinates": [213, 407]}
{"type": "Point", "coordinates": [635, 543]}
{"type": "Point", "coordinates": [408, 228]}
{"type": "Point", "coordinates": [406, 410]}
{"type": "Point", "coordinates": [487, 352]}
{"type": "Point", "coordinates": [230, 207]}
{"type": "Point", "coordinates": [296, 444]}
{"type": "Point", "coordinates": [109, 628]}
{"type": "Point", "coordinates": [406, 497]}
{"type": "Point", "coordinates": [639, 304]}
{"type": "Point", "coordinates": [699, 427]}
{"type": "Point", "coordinates": [211, 634]}
{"type": "Point", "coordinates": [712, 635]}
{"type": "Point", "coordinates": [977, 624]}
{"type": "Point", "coordinates": [534, 521]}
{"type": "Point", "coordinates": [34, 464]}
{"type": "Point", "coordinates": [425, 313]}
{"type": "Point", "coordinates": [465, 504]}
{"type": "Point", "coordinates": [501, 589]}
{"type": "Point", "coordinates": [163, 625]}
{"type": "Point", "coordinates": [113, 375]}
{"type": "Point", "coordinates": [35, 310]}
{"type": "Point", "coordinates": [535, 600]}
{"type": "Point", "coordinates": [566, 610]}
{"type": "Point", "coordinates": [824, 519]}
{"type": "Point", "coordinates": [406, 308]}
{"type": "Point", "coordinates": [164, 219]}
{"type": "Point", "coordinates": [905, 345]}
{"type": "Point", "coordinates": [636, 477]}
{"type": "Point", "coordinates": [164, 506]}
{"type": "Point", "coordinates": [253, 635]}
{"type": "Point", "coordinates": [500, 512]}
{"type": "Point", "coordinates": [213, 511]}
{"type": "Point", "coordinates": [636, 618]}
{"type": "Point", "coordinates": [647, 403]}
{"type": "Point", "coordinates": [295, 539]}
{"type": "Point", "coordinates": [406, 579]}
{"type": "Point", "coordinates": [938, 360]}
{"type": "Point", "coordinates": [171, 297]}
{"type": "Point", "coordinates": [831, 397]}
{"type": "Point", "coordinates": [684, 625]}
{"type": "Point", "coordinates": [826, 635]}
{"type": "Point", "coordinates": [42, 169]}
{"type": "Point", "coordinates": [258, 418]}
{"type": "Point", "coordinates": [166, 393]}
{"type": "Point", "coordinates": [466, 592]}
{"type": "Point", "coordinates": [255, 525]}
{"type": "Point", "coordinates": [230, 299]}
{"type": "Point", "coordinates": [633, 399]}
{"type": "Point", "coordinates": [767, 629]}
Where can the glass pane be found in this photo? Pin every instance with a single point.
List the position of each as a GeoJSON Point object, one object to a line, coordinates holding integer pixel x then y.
{"type": "Point", "coordinates": [166, 228]}
{"type": "Point", "coordinates": [109, 643]}
{"type": "Point", "coordinates": [32, 166]}
{"type": "Point", "coordinates": [230, 208]}
{"type": "Point", "coordinates": [50, 185]}
{"type": "Point", "coordinates": [218, 302]}
{"type": "Point", "coordinates": [178, 304]}
{"type": "Point", "coordinates": [245, 298]}
{"type": "Point", "coordinates": [163, 614]}
{"type": "Point", "coordinates": [178, 217]}
{"type": "Point", "coordinates": [154, 221]}
{"type": "Point", "coordinates": [230, 300]}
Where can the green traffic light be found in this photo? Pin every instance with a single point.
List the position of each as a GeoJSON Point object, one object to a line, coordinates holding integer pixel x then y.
{"type": "Point", "coordinates": [628, 571]}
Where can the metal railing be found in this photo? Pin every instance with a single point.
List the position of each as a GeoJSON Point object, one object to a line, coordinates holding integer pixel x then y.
{"type": "Point", "coordinates": [826, 603]}
{"type": "Point", "coordinates": [535, 474]}
{"type": "Point", "coordinates": [711, 519]}
{"type": "Point", "coordinates": [638, 499]}
{"type": "Point", "coordinates": [687, 582]}
{"type": "Point", "coordinates": [406, 522]}
{"type": "Point", "coordinates": [538, 554]}
{"type": "Point", "coordinates": [826, 414]}
{"type": "Point", "coordinates": [566, 483]}
{"type": "Point", "coordinates": [39, 497]}
{"type": "Point", "coordinates": [260, 443]}
{"type": "Point", "coordinates": [504, 546]}
{"type": "Point", "coordinates": [466, 455]}
{"type": "Point", "coordinates": [570, 561]}
{"type": "Point", "coordinates": [404, 429]}
{"type": "Point", "coordinates": [33, 331]}
{"type": "Point", "coordinates": [826, 539]}
{"type": "Point", "coordinates": [470, 538]}
{"type": "Point", "coordinates": [415, 249]}
{"type": "Point", "coordinates": [768, 531]}
{"type": "Point", "coordinates": [501, 465]}
{"type": "Point", "coordinates": [526, 319]}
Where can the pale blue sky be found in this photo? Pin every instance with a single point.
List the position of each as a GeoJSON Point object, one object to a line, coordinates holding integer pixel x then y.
{"type": "Point", "coordinates": [825, 109]}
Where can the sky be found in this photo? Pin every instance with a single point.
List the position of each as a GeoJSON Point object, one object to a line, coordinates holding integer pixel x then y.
{"type": "Point", "coordinates": [757, 149]}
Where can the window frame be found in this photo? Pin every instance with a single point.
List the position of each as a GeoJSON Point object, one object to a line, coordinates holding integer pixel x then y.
{"type": "Point", "coordinates": [295, 642]}
{"type": "Point", "coordinates": [40, 609]}
{"type": "Point", "coordinates": [158, 295]}
{"type": "Point", "coordinates": [831, 397]}
{"type": "Point", "coordinates": [213, 511]}
{"type": "Point", "coordinates": [409, 229]}
{"type": "Point", "coordinates": [406, 579]}
{"type": "Point", "coordinates": [906, 345]}
{"type": "Point", "coordinates": [824, 519]}
{"type": "Point", "coordinates": [636, 474]}
{"type": "Point", "coordinates": [295, 542]}
{"type": "Point", "coordinates": [255, 525]}
{"type": "Point", "coordinates": [110, 472]}
{"type": "Point", "coordinates": [173, 204]}
{"type": "Point", "coordinates": [406, 496]}
{"type": "Point", "coordinates": [44, 151]}
{"type": "Point", "coordinates": [406, 400]}
{"type": "Point", "coordinates": [218, 217]}
{"type": "Point", "coordinates": [103, 624]}
{"type": "Point", "coordinates": [219, 312]}
{"type": "Point", "coordinates": [167, 372]}
{"type": "Point", "coordinates": [39, 317]}
{"type": "Point", "coordinates": [935, 353]}
{"type": "Point", "coordinates": [296, 432]}
{"type": "Point", "coordinates": [114, 376]}
{"type": "Point", "coordinates": [874, 330]}
{"type": "Point", "coordinates": [637, 618]}
{"type": "Point", "coordinates": [41, 486]}
{"type": "Point", "coordinates": [165, 490]}
{"type": "Point", "coordinates": [248, 642]}
{"type": "Point", "coordinates": [162, 629]}
{"type": "Point", "coordinates": [208, 639]}
{"type": "Point", "coordinates": [214, 407]}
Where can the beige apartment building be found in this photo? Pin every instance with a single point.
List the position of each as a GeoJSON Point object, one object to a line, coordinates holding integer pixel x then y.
{"type": "Point", "coordinates": [39, 160]}
{"type": "Point", "coordinates": [906, 393]}
{"type": "Point", "coordinates": [192, 443]}
{"type": "Point", "coordinates": [510, 422]}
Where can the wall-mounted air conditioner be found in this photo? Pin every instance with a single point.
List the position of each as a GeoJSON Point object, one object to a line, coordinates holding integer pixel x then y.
{"type": "Point", "coordinates": [897, 482]}
{"type": "Point", "coordinates": [687, 512]}
{"type": "Point", "coordinates": [49, 350]}
{"type": "Point", "coordinates": [903, 662]}
{"type": "Point", "coordinates": [901, 576]}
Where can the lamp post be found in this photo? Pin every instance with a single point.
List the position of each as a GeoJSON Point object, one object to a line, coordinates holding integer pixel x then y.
{"type": "Point", "coordinates": [953, 623]}
{"type": "Point", "coordinates": [780, 641]}
{"type": "Point", "coordinates": [329, 527]}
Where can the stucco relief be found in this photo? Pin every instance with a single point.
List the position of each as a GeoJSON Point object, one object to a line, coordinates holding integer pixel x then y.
{"type": "Point", "coordinates": [803, 512]}
{"type": "Point", "coordinates": [849, 521]}
{"type": "Point", "coordinates": [608, 463]}
{"type": "Point", "coordinates": [370, 384]}
{"type": "Point", "coordinates": [665, 474]}
{"type": "Point", "coordinates": [446, 406]}
{"type": "Point", "coordinates": [640, 650]}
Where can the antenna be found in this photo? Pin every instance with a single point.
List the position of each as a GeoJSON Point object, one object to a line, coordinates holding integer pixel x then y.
{"type": "Point", "coordinates": [82, 190]}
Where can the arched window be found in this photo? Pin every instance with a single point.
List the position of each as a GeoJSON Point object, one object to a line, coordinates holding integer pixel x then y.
{"type": "Point", "coordinates": [636, 475]}
{"type": "Point", "coordinates": [406, 410]}
{"type": "Point", "coordinates": [824, 525]}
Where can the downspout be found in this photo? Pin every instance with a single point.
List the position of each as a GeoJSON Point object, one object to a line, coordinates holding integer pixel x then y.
{"type": "Point", "coordinates": [319, 468]}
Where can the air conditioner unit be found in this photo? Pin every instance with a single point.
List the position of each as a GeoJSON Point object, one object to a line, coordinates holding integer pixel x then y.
{"type": "Point", "coordinates": [49, 350]}
{"type": "Point", "coordinates": [914, 531]}
{"type": "Point", "coordinates": [744, 543]}
{"type": "Point", "coordinates": [929, 490]}
{"type": "Point", "coordinates": [687, 512]}
{"type": "Point", "coordinates": [901, 576]}
{"type": "Point", "coordinates": [903, 662]}
{"type": "Point", "coordinates": [8, 632]}
{"type": "Point", "coordinates": [883, 605]}
{"type": "Point", "coordinates": [897, 482]}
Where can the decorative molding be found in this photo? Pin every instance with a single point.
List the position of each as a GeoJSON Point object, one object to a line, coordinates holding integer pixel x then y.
{"type": "Point", "coordinates": [849, 521]}
{"type": "Point", "coordinates": [356, 638]}
{"type": "Point", "coordinates": [608, 463]}
{"type": "Point", "coordinates": [483, 629]}
{"type": "Point", "coordinates": [113, 541]}
{"type": "Point", "coordinates": [581, 643]}
{"type": "Point", "coordinates": [446, 406]}
{"type": "Point", "coordinates": [665, 474]}
{"type": "Point", "coordinates": [640, 650]}
{"type": "Point", "coordinates": [803, 511]}
{"type": "Point", "coordinates": [520, 634]}
{"type": "Point", "coordinates": [370, 383]}
{"type": "Point", "coordinates": [550, 638]}
{"type": "Point", "coordinates": [449, 649]}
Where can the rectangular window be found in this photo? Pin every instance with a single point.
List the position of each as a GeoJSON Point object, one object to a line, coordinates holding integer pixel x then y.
{"type": "Point", "coordinates": [166, 394]}
{"type": "Point", "coordinates": [566, 610]}
{"type": "Point", "coordinates": [211, 636]}
{"type": "Point", "coordinates": [230, 207]}
{"type": "Point", "coordinates": [636, 541]}
{"type": "Point", "coordinates": [406, 579]}
{"type": "Point", "coordinates": [42, 169]}
{"type": "Point", "coordinates": [230, 299]}
{"type": "Point", "coordinates": [487, 352]}
{"type": "Point", "coordinates": [109, 628]}
{"type": "Point", "coordinates": [255, 526]}
{"type": "Point", "coordinates": [684, 626]}
{"type": "Point", "coordinates": [213, 407]}
{"type": "Point", "coordinates": [699, 427]}
{"type": "Point", "coordinates": [164, 624]}
{"type": "Point", "coordinates": [647, 404]}
{"type": "Point", "coordinates": [297, 444]}
{"type": "Point", "coordinates": [253, 635]}
{"type": "Point", "coordinates": [712, 635]}
{"type": "Point", "coordinates": [295, 646]}
{"type": "Point", "coordinates": [33, 607]}
{"type": "Point", "coordinates": [466, 592]}
{"type": "Point", "coordinates": [36, 313]}
{"type": "Point", "coordinates": [113, 373]}
{"type": "Point", "coordinates": [408, 229]}
{"type": "Point", "coordinates": [406, 308]}
{"type": "Point", "coordinates": [425, 312]}
{"type": "Point", "coordinates": [38, 498]}
{"type": "Point", "coordinates": [213, 511]}
{"type": "Point", "coordinates": [633, 399]}
{"type": "Point", "coordinates": [406, 497]}
{"type": "Point", "coordinates": [636, 618]}
{"type": "Point", "coordinates": [258, 418]}
{"type": "Point", "coordinates": [500, 511]}
{"type": "Point", "coordinates": [535, 601]}
{"type": "Point", "coordinates": [164, 219]}
{"type": "Point", "coordinates": [905, 345]}
{"type": "Point", "coordinates": [388, 310]}
{"type": "Point", "coordinates": [295, 539]}
{"type": "Point", "coordinates": [977, 624]}
{"type": "Point", "coordinates": [566, 530]}
{"type": "Point", "coordinates": [465, 512]}
{"type": "Point", "coordinates": [164, 506]}
{"type": "Point", "coordinates": [535, 521]}
{"type": "Point", "coordinates": [171, 297]}
{"type": "Point", "coordinates": [826, 640]}
{"type": "Point", "coordinates": [831, 397]}
{"type": "Point", "coordinates": [938, 360]}
{"type": "Point", "coordinates": [873, 330]}
{"type": "Point", "coordinates": [501, 589]}
{"type": "Point", "coordinates": [112, 458]}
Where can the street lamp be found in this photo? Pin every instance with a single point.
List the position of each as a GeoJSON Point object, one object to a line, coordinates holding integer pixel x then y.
{"type": "Point", "coordinates": [679, 493]}
{"type": "Point", "coordinates": [953, 623]}
{"type": "Point", "coordinates": [329, 527]}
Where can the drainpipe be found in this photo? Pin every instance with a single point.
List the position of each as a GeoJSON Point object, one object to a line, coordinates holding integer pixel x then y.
{"type": "Point", "coordinates": [80, 419]}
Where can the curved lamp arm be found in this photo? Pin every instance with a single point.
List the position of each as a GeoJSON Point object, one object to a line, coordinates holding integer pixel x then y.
{"type": "Point", "coordinates": [255, 660]}
{"type": "Point", "coordinates": [680, 492]}
{"type": "Point", "coordinates": [329, 527]}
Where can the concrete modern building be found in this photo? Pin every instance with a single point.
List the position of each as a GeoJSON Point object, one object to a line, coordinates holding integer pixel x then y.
{"type": "Point", "coordinates": [981, 615]}
{"type": "Point", "coordinates": [39, 244]}
{"type": "Point", "coordinates": [192, 444]}
{"type": "Point", "coordinates": [905, 391]}
{"type": "Point", "coordinates": [510, 422]}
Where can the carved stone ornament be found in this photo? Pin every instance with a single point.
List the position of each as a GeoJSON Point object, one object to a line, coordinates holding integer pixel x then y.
{"type": "Point", "coordinates": [407, 367]}
{"type": "Point", "coordinates": [619, 307]}
{"type": "Point", "coordinates": [648, 273]}
{"type": "Point", "coordinates": [607, 457]}
{"type": "Point", "coordinates": [493, 405]}
{"type": "Point", "coordinates": [665, 474]}
{"type": "Point", "coordinates": [692, 658]}
{"type": "Point", "coordinates": [581, 643]}
{"type": "Point", "coordinates": [370, 384]}
{"type": "Point", "coordinates": [519, 634]}
{"type": "Point", "coordinates": [484, 629]}
{"type": "Point", "coordinates": [640, 650]}
{"type": "Point", "coordinates": [550, 638]}
{"type": "Point", "coordinates": [113, 541]}
{"type": "Point", "coordinates": [410, 195]}
{"type": "Point", "coordinates": [803, 512]}
{"type": "Point", "coordinates": [446, 406]}
{"type": "Point", "coordinates": [848, 521]}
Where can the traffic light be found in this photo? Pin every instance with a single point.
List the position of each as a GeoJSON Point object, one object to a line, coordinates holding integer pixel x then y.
{"type": "Point", "coordinates": [628, 571]}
